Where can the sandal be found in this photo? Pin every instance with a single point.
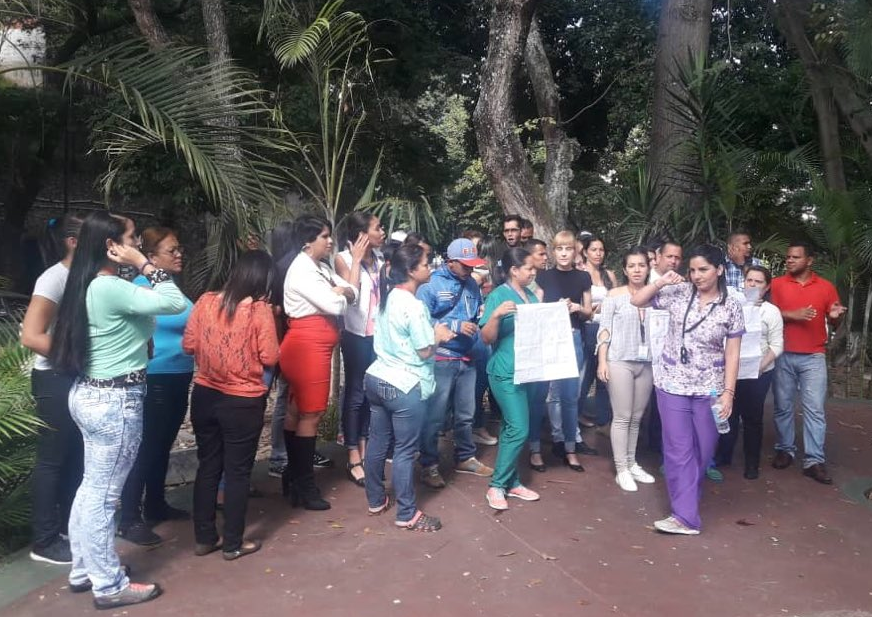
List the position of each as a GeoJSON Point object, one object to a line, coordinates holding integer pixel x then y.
{"type": "Point", "coordinates": [358, 481]}
{"type": "Point", "coordinates": [201, 550]}
{"type": "Point", "coordinates": [382, 508]}
{"type": "Point", "coordinates": [421, 522]}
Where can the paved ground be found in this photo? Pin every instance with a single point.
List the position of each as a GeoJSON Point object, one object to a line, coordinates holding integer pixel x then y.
{"type": "Point", "coordinates": [781, 545]}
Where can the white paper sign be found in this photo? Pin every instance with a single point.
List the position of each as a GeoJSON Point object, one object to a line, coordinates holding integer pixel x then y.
{"type": "Point", "coordinates": [657, 328]}
{"type": "Point", "coordinates": [749, 355]}
{"type": "Point", "coordinates": [544, 350]}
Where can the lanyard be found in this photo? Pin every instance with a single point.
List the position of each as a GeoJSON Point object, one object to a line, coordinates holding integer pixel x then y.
{"type": "Point", "coordinates": [684, 356]}
{"type": "Point", "coordinates": [642, 324]}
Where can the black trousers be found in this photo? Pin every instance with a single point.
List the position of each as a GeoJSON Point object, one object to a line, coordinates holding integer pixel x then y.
{"type": "Point", "coordinates": [747, 405]}
{"type": "Point", "coordinates": [227, 429]}
{"type": "Point", "coordinates": [59, 457]}
{"type": "Point", "coordinates": [166, 401]}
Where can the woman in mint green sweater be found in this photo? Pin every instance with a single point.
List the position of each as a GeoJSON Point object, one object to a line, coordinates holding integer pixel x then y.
{"type": "Point", "coordinates": [101, 338]}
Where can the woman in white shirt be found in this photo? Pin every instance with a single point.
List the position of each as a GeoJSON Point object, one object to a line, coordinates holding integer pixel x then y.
{"type": "Point", "coordinates": [751, 393]}
{"type": "Point", "coordinates": [314, 298]}
{"type": "Point", "coordinates": [359, 265]}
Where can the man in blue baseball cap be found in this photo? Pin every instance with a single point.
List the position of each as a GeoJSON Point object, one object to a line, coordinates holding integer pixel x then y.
{"type": "Point", "coordinates": [453, 298]}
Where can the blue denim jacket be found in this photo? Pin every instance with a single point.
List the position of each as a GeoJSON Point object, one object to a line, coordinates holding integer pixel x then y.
{"type": "Point", "coordinates": [440, 298]}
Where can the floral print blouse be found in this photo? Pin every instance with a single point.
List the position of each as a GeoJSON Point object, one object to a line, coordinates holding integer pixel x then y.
{"type": "Point", "coordinates": [705, 343]}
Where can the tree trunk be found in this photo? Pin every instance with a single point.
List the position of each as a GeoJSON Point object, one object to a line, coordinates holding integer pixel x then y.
{"type": "Point", "coordinates": [560, 150]}
{"type": "Point", "coordinates": [514, 184]}
{"type": "Point", "coordinates": [149, 24]}
{"type": "Point", "coordinates": [683, 33]}
{"type": "Point", "coordinates": [790, 20]}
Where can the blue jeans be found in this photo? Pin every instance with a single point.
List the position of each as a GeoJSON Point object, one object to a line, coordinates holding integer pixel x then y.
{"type": "Point", "coordinates": [808, 374]}
{"type": "Point", "coordinates": [457, 378]}
{"type": "Point", "coordinates": [278, 453]}
{"type": "Point", "coordinates": [357, 355]}
{"type": "Point", "coordinates": [562, 403]}
{"type": "Point", "coordinates": [110, 420]}
{"type": "Point", "coordinates": [602, 408]}
{"type": "Point", "coordinates": [396, 419]}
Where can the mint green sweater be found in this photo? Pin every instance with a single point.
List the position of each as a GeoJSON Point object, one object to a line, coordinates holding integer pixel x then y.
{"type": "Point", "coordinates": [121, 321]}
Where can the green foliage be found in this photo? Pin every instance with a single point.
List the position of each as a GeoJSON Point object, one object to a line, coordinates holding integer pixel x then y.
{"type": "Point", "coordinates": [18, 427]}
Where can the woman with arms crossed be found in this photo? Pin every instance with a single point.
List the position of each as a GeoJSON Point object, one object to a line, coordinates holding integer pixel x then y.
{"type": "Point", "coordinates": [700, 357]}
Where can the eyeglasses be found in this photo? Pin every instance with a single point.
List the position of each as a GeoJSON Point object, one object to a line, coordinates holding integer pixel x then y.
{"type": "Point", "coordinates": [176, 250]}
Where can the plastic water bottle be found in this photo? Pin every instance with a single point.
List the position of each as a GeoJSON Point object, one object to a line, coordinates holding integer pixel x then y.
{"type": "Point", "coordinates": [723, 425]}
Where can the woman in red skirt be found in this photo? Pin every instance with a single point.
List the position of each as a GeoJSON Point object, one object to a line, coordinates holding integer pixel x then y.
{"type": "Point", "coordinates": [314, 299]}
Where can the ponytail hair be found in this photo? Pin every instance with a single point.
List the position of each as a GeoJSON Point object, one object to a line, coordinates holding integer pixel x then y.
{"type": "Point", "coordinates": [715, 257]}
{"type": "Point", "coordinates": [52, 242]}
{"type": "Point", "coordinates": [514, 258]}
{"type": "Point", "coordinates": [397, 270]}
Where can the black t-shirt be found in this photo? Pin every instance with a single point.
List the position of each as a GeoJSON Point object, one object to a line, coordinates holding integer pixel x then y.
{"type": "Point", "coordinates": [558, 284]}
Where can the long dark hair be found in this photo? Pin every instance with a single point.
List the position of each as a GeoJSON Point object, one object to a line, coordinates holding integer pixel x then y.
{"type": "Point", "coordinates": [252, 277]}
{"type": "Point", "coordinates": [514, 258]}
{"type": "Point", "coordinates": [281, 239]}
{"type": "Point", "coordinates": [491, 249]}
{"type": "Point", "coordinates": [715, 257]}
{"type": "Point", "coordinates": [604, 274]}
{"type": "Point", "coordinates": [397, 270]}
{"type": "Point", "coordinates": [70, 343]}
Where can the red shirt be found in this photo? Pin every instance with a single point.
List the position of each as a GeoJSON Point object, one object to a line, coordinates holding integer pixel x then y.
{"type": "Point", "coordinates": [789, 294]}
{"type": "Point", "coordinates": [230, 356]}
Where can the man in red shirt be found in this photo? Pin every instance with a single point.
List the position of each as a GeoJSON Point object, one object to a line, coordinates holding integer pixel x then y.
{"type": "Point", "coordinates": [806, 301]}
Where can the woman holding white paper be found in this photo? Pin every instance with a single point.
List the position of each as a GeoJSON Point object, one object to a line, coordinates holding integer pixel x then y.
{"type": "Point", "coordinates": [498, 329]}
{"type": "Point", "coordinates": [624, 365]}
{"type": "Point", "coordinates": [751, 393]}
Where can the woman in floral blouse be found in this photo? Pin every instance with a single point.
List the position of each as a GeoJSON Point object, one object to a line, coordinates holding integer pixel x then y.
{"type": "Point", "coordinates": [700, 358]}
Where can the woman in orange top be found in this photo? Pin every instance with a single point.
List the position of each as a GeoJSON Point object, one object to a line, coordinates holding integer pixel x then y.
{"type": "Point", "coordinates": [232, 335]}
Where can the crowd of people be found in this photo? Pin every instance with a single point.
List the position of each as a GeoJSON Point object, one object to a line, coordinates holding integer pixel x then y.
{"type": "Point", "coordinates": [118, 361]}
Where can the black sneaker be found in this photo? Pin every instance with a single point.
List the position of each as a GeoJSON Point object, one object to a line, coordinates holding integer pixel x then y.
{"type": "Point", "coordinates": [139, 533]}
{"type": "Point", "coordinates": [86, 586]}
{"type": "Point", "coordinates": [167, 513]}
{"type": "Point", "coordinates": [57, 553]}
{"type": "Point", "coordinates": [583, 448]}
{"type": "Point", "coordinates": [134, 593]}
{"type": "Point", "coordinates": [321, 462]}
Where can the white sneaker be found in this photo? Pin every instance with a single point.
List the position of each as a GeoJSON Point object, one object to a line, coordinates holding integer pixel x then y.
{"type": "Point", "coordinates": [626, 482]}
{"type": "Point", "coordinates": [640, 475]}
{"type": "Point", "coordinates": [673, 525]}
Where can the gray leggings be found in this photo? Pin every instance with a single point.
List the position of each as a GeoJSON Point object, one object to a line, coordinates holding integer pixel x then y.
{"type": "Point", "coordinates": [629, 386]}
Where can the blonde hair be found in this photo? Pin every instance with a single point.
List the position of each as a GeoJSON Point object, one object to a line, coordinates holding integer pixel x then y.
{"type": "Point", "coordinates": [563, 237]}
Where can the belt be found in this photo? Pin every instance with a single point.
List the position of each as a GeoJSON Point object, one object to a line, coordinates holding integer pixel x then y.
{"type": "Point", "coordinates": [121, 381]}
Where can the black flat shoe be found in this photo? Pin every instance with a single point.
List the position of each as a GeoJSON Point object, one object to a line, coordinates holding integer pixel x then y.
{"type": "Point", "coordinates": [248, 547]}
{"type": "Point", "coordinates": [540, 468]}
{"type": "Point", "coordinates": [572, 466]}
{"type": "Point", "coordinates": [583, 448]}
{"type": "Point", "coordinates": [201, 550]}
{"type": "Point", "coordinates": [751, 473]}
{"type": "Point", "coordinates": [348, 472]}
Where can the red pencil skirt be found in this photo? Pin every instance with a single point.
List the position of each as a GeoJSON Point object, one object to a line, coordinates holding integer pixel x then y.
{"type": "Point", "coordinates": [305, 357]}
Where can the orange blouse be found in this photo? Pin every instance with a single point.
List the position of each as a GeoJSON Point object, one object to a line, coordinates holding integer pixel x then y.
{"type": "Point", "coordinates": [231, 355]}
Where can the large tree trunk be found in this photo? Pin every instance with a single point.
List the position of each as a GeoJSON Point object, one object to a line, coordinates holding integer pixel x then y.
{"type": "Point", "coordinates": [560, 150]}
{"type": "Point", "coordinates": [683, 33]}
{"type": "Point", "coordinates": [149, 24]}
{"type": "Point", "coordinates": [514, 184]}
{"type": "Point", "coordinates": [790, 20]}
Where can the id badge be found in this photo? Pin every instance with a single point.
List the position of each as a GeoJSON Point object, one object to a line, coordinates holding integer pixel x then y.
{"type": "Point", "coordinates": [643, 352]}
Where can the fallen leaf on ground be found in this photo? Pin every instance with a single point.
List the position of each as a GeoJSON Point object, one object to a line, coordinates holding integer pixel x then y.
{"type": "Point", "coordinates": [534, 582]}
{"type": "Point", "coordinates": [548, 557]}
{"type": "Point", "coordinates": [506, 554]}
{"type": "Point", "coordinates": [744, 523]}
